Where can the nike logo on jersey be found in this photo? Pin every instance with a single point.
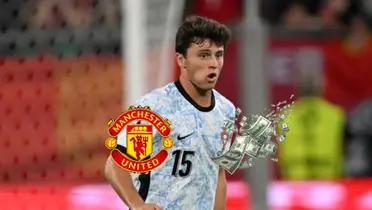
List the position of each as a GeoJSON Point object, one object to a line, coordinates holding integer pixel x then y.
{"type": "Point", "coordinates": [183, 137]}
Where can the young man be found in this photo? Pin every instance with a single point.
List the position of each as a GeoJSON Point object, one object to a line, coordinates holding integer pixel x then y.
{"type": "Point", "coordinates": [189, 179]}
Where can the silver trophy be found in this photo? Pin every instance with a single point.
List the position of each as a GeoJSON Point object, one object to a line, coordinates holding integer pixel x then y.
{"type": "Point", "coordinates": [253, 137]}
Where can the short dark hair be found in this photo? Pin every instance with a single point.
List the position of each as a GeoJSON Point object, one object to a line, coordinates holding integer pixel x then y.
{"type": "Point", "coordinates": [195, 29]}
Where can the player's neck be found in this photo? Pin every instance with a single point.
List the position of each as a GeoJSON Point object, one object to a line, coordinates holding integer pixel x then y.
{"type": "Point", "coordinates": [202, 97]}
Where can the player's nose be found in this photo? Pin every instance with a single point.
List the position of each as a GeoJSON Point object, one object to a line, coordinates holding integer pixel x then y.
{"type": "Point", "coordinates": [213, 63]}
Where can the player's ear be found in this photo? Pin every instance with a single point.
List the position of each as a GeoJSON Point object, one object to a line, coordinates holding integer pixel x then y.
{"type": "Point", "coordinates": [181, 60]}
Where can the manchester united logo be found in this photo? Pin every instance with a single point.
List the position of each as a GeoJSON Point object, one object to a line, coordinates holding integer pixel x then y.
{"type": "Point", "coordinates": [139, 145]}
{"type": "Point", "coordinates": [139, 139]}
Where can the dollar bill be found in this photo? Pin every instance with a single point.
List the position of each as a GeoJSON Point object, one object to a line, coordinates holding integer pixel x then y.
{"type": "Point", "coordinates": [246, 162]}
{"type": "Point", "coordinates": [259, 127]}
{"type": "Point", "coordinates": [268, 149]}
{"type": "Point", "coordinates": [252, 148]}
{"type": "Point", "coordinates": [230, 164]}
{"type": "Point", "coordinates": [231, 160]}
{"type": "Point", "coordinates": [239, 144]}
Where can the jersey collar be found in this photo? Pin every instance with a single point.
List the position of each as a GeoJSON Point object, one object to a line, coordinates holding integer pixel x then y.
{"type": "Point", "coordinates": [191, 101]}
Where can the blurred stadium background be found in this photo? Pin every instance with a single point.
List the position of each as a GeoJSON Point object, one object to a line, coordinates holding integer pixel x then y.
{"type": "Point", "coordinates": [68, 66]}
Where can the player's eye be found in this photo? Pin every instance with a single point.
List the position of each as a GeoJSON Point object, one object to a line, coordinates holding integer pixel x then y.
{"type": "Point", "coordinates": [204, 55]}
{"type": "Point", "coordinates": [219, 54]}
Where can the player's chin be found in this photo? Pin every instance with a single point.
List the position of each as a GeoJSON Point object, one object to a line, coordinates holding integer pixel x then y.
{"type": "Point", "coordinates": [208, 85]}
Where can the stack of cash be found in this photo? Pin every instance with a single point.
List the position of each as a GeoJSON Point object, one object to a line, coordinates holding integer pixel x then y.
{"type": "Point", "coordinates": [255, 137]}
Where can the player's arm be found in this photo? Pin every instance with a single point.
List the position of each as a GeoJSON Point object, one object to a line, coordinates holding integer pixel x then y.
{"type": "Point", "coordinates": [122, 183]}
{"type": "Point", "coordinates": [220, 200]}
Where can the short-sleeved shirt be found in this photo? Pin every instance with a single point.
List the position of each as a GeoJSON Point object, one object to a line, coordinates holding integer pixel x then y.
{"type": "Point", "coordinates": [188, 178]}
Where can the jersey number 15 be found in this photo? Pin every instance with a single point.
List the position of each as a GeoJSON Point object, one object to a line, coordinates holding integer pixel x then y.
{"type": "Point", "coordinates": [185, 161]}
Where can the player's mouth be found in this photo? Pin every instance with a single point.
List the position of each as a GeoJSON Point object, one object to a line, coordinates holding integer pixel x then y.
{"type": "Point", "coordinates": [212, 77]}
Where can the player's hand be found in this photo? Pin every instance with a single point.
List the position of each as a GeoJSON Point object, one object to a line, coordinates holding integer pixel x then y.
{"type": "Point", "coordinates": [147, 206]}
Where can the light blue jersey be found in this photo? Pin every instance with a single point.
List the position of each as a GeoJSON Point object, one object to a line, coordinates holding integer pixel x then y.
{"type": "Point", "coordinates": [188, 178]}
